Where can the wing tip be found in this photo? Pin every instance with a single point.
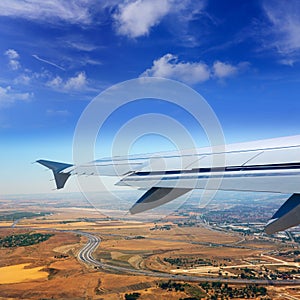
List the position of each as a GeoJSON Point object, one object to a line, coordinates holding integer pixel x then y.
{"type": "Point", "coordinates": [57, 168]}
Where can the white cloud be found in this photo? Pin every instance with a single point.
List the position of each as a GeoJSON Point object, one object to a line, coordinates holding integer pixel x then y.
{"type": "Point", "coordinates": [23, 79]}
{"type": "Point", "coordinates": [222, 70]}
{"type": "Point", "coordinates": [56, 82]}
{"type": "Point", "coordinates": [72, 11]}
{"type": "Point", "coordinates": [168, 66]}
{"type": "Point", "coordinates": [78, 82]}
{"type": "Point", "coordinates": [13, 59]}
{"type": "Point", "coordinates": [28, 77]}
{"type": "Point", "coordinates": [12, 54]}
{"type": "Point", "coordinates": [14, 64]}
{"type": "Point", "coordinates": [135, 18]}
{"type": "Point", "coordinates": [82, 46]}
{"type": "Point", "coordinates": [89, 61]}
{"type": "Point", "coordinates": [9, 96]}
{"type": "Point", "coordinates": [285, 26]}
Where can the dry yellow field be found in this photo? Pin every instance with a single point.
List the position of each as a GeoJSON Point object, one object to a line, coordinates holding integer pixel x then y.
{"type": "Point", "coordinates": [18, 273]}
{"type": "Point", "coordinates": [5, 224]}
{"type": "Point", "coordinates": [81, 225]}
{"type": "Point", "coordinates": [137, 226]}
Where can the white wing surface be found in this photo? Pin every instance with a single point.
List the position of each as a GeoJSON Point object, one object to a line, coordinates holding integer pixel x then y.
{"type": "Point", "coordinates": [261, 166]}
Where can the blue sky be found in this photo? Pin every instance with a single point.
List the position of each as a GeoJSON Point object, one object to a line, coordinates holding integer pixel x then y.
{"type": "Point", "coordinates": [57, 55]}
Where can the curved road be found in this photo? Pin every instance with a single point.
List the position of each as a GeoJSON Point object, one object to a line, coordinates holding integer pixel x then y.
{"type": "Point", "coordinates": [86, 253]}
{"type": "Point", "coordinates": [86, 256]}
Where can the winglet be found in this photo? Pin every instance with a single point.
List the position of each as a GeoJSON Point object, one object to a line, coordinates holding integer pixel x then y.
{"type": "Point", "coordinates": [288, 215]}
{"type": "Point", "coordinates": [57, 168]}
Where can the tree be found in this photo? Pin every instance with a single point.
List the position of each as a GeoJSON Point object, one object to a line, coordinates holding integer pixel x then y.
{"type": "Point", "coordinates": [132, 296]}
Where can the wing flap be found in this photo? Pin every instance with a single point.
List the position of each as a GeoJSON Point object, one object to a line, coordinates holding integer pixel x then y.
{"type": "Point", "coordinates": [288, 215]}
{"type": "Point", "coordinates": [156, 197]}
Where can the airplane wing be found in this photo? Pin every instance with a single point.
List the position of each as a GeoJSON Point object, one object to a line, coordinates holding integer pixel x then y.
{"type": "Point", "coordinates": [261, 166]}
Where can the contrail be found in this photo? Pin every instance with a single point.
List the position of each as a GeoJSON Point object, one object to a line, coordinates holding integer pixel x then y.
{"type": "Point", "coordinates": [48, 62]}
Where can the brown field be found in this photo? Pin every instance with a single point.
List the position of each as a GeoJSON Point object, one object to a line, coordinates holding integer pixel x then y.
{"type": "Point", "coordinates": [5, 224]}
{"type": "Point", "coordinates": [65, 278]}
{"type": "Point", "coordinates": [18, 273]}
{"type": "Point", "coordinates": [50, 275]}
{"type": "Point", "coordinates": [74, 225]}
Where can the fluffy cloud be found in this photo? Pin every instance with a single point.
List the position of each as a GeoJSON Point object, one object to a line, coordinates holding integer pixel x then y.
{"type": "Point", "coordinates": [12, 54]}
{"type": "Point", "coordinates": [13, 58]}
{"type": "Point", "coordinates": [78, 82]}
{"type": "Point", "coordinates": [56, 82]}
{"type": "Point", "coordinates": [168, 66]}
{"type": "Point", "coordinates": [9, 96]}
{"type": "Point", "coordinates": [223, 70]}
{"type": "Point", "coordinates": [23, 79]}
{"type": "Point", "coordinates": [73, 11]}
{"type": "Point", "coordinates": [284, 27]}
{"type": "Point", "coordinates": [135, 18]}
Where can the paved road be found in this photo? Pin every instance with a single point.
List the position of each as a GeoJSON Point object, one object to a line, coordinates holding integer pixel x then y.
{"type": "Point", "coordinates": [86, 255]}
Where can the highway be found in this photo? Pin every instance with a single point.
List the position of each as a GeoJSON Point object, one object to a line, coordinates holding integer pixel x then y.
{"type": "Point", "coordinates": [85, 255]}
